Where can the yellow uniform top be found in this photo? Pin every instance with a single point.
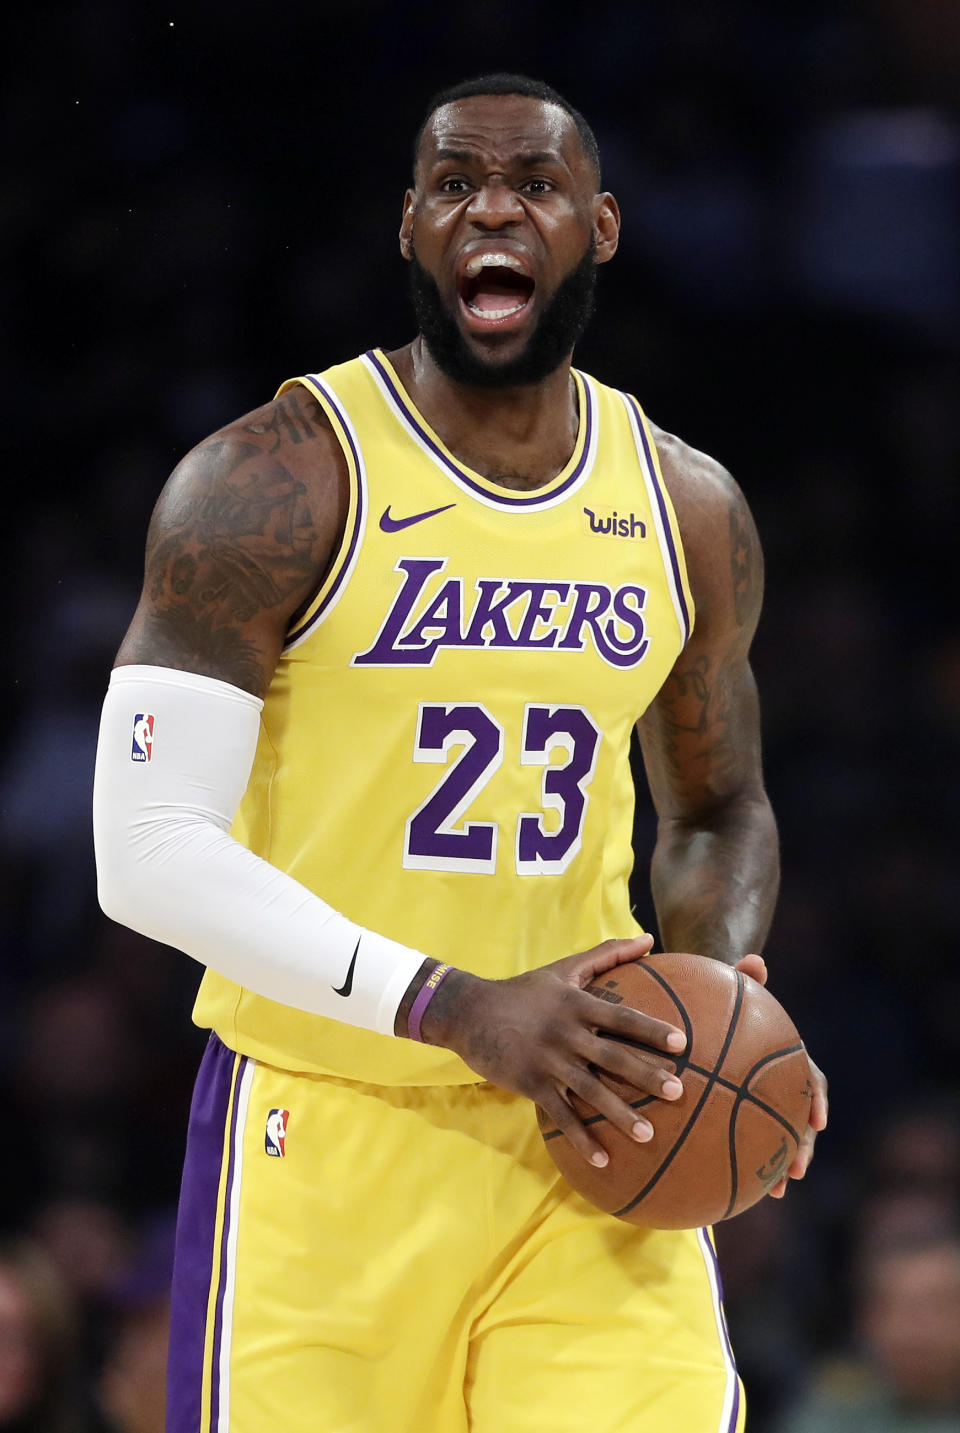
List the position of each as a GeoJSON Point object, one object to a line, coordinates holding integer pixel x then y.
{"type": "Point", "coordinates": [444, 746]}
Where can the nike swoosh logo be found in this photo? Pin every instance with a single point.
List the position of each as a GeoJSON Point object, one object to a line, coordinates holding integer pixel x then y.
{"type": "Point", "coordinates": [396, 524]}
{"type": "Point", "coordinates": [347, 985]}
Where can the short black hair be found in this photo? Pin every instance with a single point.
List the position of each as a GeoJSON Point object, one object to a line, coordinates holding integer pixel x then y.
{"type": "Point", "coordinates": [507, 84]}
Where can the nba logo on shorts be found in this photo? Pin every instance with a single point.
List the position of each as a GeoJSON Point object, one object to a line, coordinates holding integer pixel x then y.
{"type": "Point", "coordinates": [142, 749]}
{"type": "Point", "coordinates": [275, 1140]}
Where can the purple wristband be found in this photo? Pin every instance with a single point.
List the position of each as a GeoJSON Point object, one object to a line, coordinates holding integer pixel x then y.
{"type": "Point", "coordinates": [425, 994]}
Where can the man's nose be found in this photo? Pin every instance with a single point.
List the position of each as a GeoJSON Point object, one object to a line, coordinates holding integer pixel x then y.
{"type": "Point", "coordinates": [495, 204]}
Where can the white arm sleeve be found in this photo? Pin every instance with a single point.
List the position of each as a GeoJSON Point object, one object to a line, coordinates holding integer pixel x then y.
{"type": "Point", "coordinates": [175, 755]}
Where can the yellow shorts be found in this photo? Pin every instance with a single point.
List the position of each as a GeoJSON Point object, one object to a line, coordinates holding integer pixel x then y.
{"type": "Point", "coordinates": [363, 1259]}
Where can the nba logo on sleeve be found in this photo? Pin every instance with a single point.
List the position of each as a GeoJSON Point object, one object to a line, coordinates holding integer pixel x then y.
{"type": "Point", "coordinates": [142, 749]}
{"type": "Point", "coordinates": [275, 1140]}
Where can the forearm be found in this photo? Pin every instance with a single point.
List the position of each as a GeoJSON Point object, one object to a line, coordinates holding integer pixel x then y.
{"type": "Point", "coordinates": [168, 866]}
{"type": "Point", "coordinates": [715, 880]}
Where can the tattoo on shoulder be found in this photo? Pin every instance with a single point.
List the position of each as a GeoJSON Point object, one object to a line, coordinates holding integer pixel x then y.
{"type": "Point", "coordinates": [297, 418]}
{"type": "Point", "coordinates": [743, 561]}
{"type": "Point", "coordinates": [238, 544]}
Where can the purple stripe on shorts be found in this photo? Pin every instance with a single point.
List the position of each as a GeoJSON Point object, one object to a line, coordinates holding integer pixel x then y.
{"type": "Point", "coordinates": [358, 516]}
{"type": "Point", "coordinates": [224, 1242]}
{"type": "Point", "coordinates": [196, 1225]}
{"type": "Point", "coordinates": [505, 498]}
{"type": "Point", "coordinates": [735, 1410]}
{"type": "Point", "coordinates": [661, 504]}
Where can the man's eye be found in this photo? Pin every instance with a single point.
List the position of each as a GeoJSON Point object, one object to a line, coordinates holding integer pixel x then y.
{"type": "Point", "coordinates": [536, 186]}
{"type": "Point", "coordinates": [453, 185]}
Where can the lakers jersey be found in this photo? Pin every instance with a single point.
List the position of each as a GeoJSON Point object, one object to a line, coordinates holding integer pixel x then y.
{"type": "Point", "coordinates": [444, 746]}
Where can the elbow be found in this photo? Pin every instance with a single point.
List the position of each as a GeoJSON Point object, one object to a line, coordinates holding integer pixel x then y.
{"type": "Point", "coordinates": [747, 806]}
{"type": "Point", "coordinates": [118, 898]}
{"type": "Point", "coordinates": [126, 890]}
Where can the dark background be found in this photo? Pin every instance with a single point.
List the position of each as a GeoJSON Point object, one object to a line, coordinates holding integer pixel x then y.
{"type": "Point", "coordinates": [197, 203]}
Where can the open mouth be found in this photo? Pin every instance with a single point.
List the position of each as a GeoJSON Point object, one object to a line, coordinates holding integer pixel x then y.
{"type": "Point", "coordinates": [495, 288]}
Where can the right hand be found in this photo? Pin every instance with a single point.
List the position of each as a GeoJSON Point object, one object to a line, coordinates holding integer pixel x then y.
{"type": "Point", "coordinates": [541, 1034]}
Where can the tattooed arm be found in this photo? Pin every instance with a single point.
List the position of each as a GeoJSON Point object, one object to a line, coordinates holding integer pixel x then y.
{"type": "Point", "coordinates": [715, 867]}
{"type": "Point", "coordinates": [240, 540]}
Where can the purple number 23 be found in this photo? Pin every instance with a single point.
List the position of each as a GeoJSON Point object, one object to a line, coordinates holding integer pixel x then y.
{"type": "Point", "coordinates": [435, 839]}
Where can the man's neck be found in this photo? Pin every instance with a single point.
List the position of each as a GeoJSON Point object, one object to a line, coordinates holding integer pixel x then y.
{"type": "Point", "coordinates": [518, 437]}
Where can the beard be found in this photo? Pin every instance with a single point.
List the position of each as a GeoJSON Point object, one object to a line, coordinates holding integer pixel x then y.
{"type": "Point", "coordinates": [558, 329]}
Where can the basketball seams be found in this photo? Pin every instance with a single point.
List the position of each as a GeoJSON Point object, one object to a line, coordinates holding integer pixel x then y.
{"type": "Point", "coordinates": [745, 1096]}
{"type": "Point", "coordinates": [681, 1008]}
{"type": "Point", "coordinates": [681, 1139]}
{"type": "Point", "coordinates": [743, 1140]}
{"type": "Point", "coordinates": [768, 1060]}
{"type": "Point", "coordinates": [748, 1099]}
{"type": "Point", "coordinates": [680, 1062]}
{"type": "Point", "coordinates": [732, 1149]}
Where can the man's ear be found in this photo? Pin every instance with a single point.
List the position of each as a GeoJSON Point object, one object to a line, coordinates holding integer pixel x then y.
{"type": "Point", "coordinates": [406, 224]}
{"type": "Point", "coordinates": [606, 226]}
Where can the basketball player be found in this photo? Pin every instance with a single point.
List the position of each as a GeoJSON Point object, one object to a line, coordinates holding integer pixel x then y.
{"type": "Point", "coordinates": [365, 756]}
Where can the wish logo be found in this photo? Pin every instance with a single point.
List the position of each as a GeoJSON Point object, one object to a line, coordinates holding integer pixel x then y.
{"type": "Point", "coordinates": [611, 524]}
{"type": "Point", "coordinates": [431, 612]}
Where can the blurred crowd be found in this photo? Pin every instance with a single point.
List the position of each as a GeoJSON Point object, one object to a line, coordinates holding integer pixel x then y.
{"type": "Point", "coordinates": [198, 204]}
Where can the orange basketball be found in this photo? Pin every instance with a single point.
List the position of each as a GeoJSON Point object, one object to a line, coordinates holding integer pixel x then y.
{"type": "Point", "coordinates": [737, 1125]}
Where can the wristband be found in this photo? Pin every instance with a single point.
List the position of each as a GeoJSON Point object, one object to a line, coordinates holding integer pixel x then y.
{"type": "Point", "coordinates": [425, 994]}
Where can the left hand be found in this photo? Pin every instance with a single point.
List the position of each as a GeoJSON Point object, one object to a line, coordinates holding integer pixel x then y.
{"type": "Point", "coordinates": [755, 966]}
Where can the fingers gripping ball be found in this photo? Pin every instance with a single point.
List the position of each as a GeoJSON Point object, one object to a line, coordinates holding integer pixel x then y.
{"type": "Point", "coordinates": [745, 1103]}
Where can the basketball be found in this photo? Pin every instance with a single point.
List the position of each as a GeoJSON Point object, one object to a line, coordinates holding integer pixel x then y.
{"type": "Point", "coordinates": [735, 1129]}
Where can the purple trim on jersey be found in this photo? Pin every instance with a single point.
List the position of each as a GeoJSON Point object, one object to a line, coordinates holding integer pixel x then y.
{"type": "Point", "coordinates": [504, 498]}
{"type": "Point", "coordinates": [196, 1226]}
{"type": "Point", "coordinates": [661, 503]}
{"type": "Point", "coordinates": [357, 521]}
{"type": "Point", "coordinates": [707, 1243]}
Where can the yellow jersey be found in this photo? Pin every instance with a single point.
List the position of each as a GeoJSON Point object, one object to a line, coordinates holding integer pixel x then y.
{"type": "Point", "coordinates": [443, 752]}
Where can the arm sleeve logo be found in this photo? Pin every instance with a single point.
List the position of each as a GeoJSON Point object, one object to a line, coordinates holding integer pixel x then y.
{"type": "Point", "coordinates": [142, 748]}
